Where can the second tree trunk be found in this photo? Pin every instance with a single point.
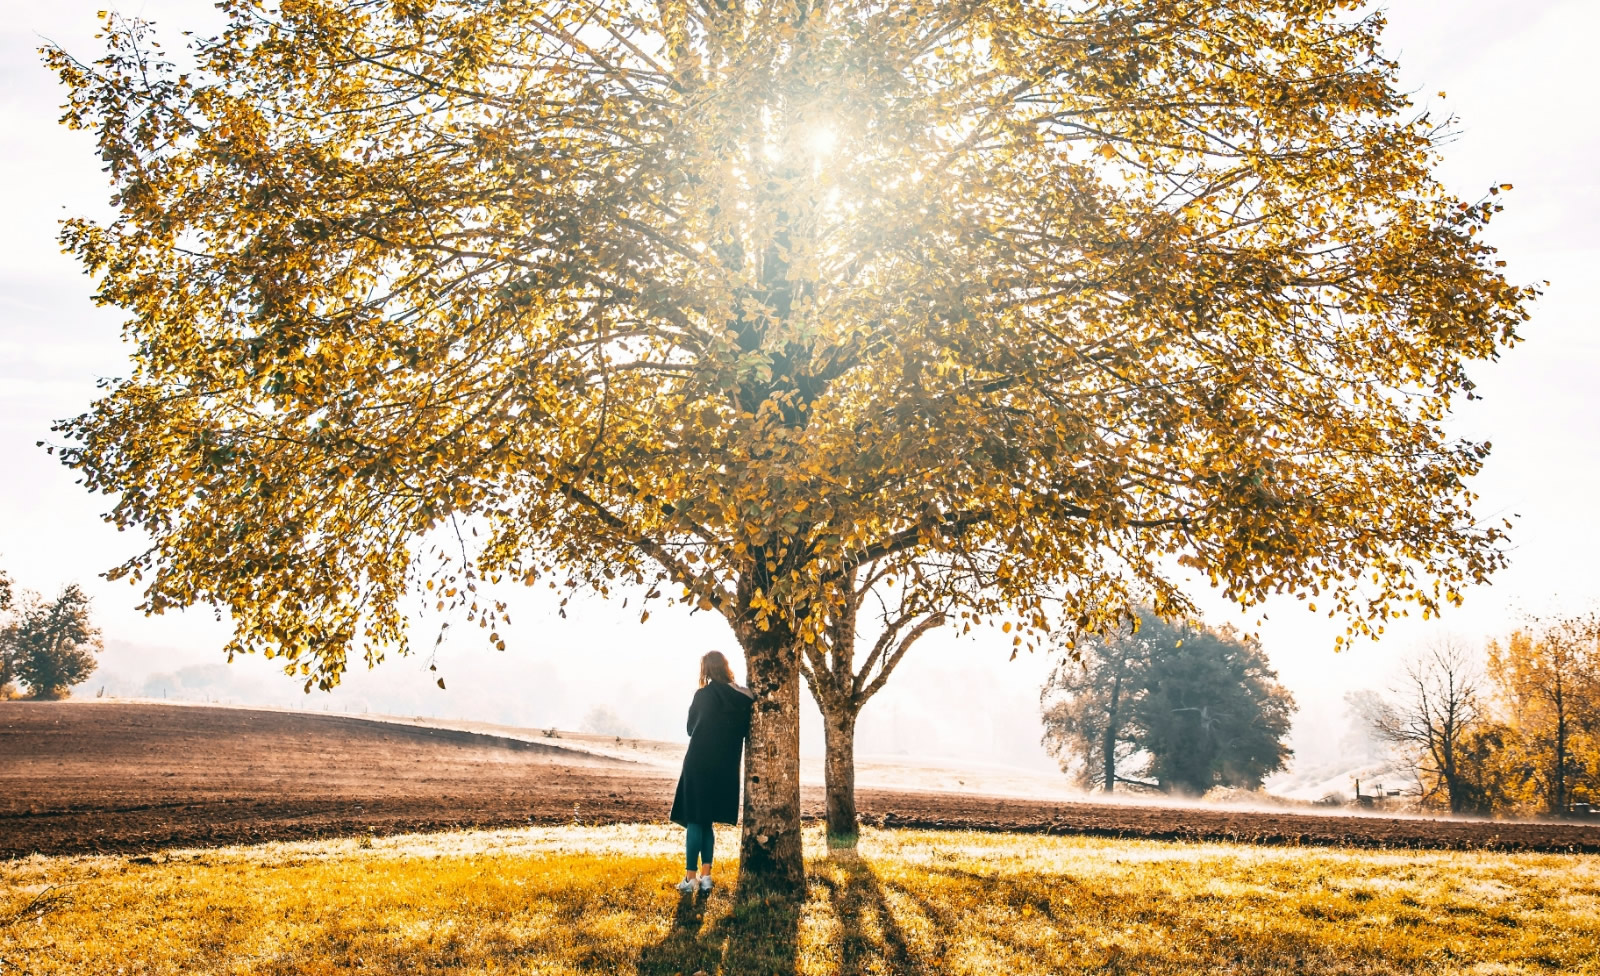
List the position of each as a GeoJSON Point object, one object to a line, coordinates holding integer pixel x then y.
{"type": "Point", "coordinates": [839, 773]}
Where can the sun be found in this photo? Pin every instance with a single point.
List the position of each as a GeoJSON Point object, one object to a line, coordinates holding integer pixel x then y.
{"type": "Point", "coordinates": [822, 140]}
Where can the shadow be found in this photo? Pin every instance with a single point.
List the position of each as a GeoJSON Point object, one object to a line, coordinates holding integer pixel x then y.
{"type": "Point", "coordinates": [691, 914]}
{"type": "Point", "coordinates": [760, 934]}
{"type": "Point", "coordinates": [870, 938]}
{"type": "Point", "coordinates": [682, 950]}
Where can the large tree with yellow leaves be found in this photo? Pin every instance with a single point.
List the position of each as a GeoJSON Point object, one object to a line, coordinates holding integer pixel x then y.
{"type": "Point", "coordinates": [739, 297]}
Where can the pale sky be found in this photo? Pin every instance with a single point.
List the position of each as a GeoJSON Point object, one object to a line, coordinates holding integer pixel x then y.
{"type": "Point", "coordinates": [1519, 76]}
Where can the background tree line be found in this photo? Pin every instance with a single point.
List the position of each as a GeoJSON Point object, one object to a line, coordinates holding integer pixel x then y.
{"type": "Point", "coordinates": [1519, 733]}
{"type": "Point", "coordinates": [46, 645]}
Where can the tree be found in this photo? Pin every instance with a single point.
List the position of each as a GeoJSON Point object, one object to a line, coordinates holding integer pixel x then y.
{"type": "Point", "coordinates": [1436, 714]}
{"type": "Point", "coordinates": [1364, 708]}
{"type": "Point", "coordinates": [739, 298]}
{"type": "Point", "coordinates": [1212, 713]}
{"type": "Point", "coordinates": [1545, 682]}
{"type": "Point", "coordinates": [604, 720]}
{"type": "Point", "coordinates": [1189, 706]}
{"type": "Point", "coordinates": [6, 663]}
{"type": "Point", "coordinates": [51, 644]}
{"type": "Point", "coordinates": [1087, 702]}
{"type": "Point", "coordinates": [841, 689]}
{"type": "Point", "coordinates": [1482, 773]}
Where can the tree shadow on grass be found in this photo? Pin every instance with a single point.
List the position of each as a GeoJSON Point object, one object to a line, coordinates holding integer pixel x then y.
{"type": "Point", "coordinates": [1068, 903]}
{"type": "Point", "coordinates": [759, 936]}
{"type": "Point", "coordinates": [683, 950]}
{"type": "Point", "coordinates": [1089, 923]}
{"type": "Point", "coordinates": [871, 940]}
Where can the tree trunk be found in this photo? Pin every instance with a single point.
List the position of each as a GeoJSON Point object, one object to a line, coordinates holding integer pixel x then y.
{"type": "Point", "coordinates": [769, 849]}
{"type": "Point", "coordinates": [1559, 796]}
{"type": "Point", "coordinates": [1109, 745]}
{"type": "Point", "coordinates": [1447, 770]}
{"type": "Point", "coordinates": [839, 771]}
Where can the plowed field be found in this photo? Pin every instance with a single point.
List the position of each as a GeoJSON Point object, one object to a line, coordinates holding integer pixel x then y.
{"type": "Point", "coordinates": [104, 777]}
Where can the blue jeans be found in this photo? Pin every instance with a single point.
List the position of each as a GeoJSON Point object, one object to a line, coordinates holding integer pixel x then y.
{"type": "Point", "coordinates": [700, 841]}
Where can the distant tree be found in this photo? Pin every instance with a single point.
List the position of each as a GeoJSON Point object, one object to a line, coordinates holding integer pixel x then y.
{"type": "Point", "coordinates": [724, 301]}
{"type": "Point", "coordinates": [6, 663]}
{"type": "Point", "coordinates": [1545, 682]}
{"type": "Point", "coordinates": [1363, 708]}
{"type": "Point", "coordinates": [1484, 778]}
{"type": "Point", "coordinates": [51, 643]}
{"type": "Point", "coordinates": [1087, 703]}
{"type": "Point", "coordinates": [1212, 713]}
{"type": "Point", "coordinates": [1586, 630]}
{"type": "Point", "coordinates": [604, 720]}
{"type": "Point", "coordinates": [1191, 707]}
{"type": "Point", "coordinates": [1434, 716]}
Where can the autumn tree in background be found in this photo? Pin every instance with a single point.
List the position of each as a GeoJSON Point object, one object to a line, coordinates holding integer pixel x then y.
{"type": "Point", "coordinates": [1519, 736]}
{"type": "Point", "coordinates": [1180, 708]}
{"type": "Point", "coordinates": [1436, 718]}
{"type": "Point", "coordinates": [1546, 684]}
{"type": "Point", "coordinates": [49, 645]}
{"type": "Point", "coordinates": [725, 302]}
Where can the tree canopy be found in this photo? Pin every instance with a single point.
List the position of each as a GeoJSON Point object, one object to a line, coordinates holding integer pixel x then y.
{"type": "Point", "coordinates": [737, 298]}
{"type": "Point", "coordinates": [1546, 684]}
{"type": "Point", "coordinates": [50, 644]}
{"type": "Point", "coordinates": [1177, 707]}
{"type": "Point", "coordinates": [1211, 713]}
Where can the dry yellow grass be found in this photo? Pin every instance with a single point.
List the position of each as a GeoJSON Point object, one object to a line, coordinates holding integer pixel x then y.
{"type": "Point", "coordinates": [599, 900]}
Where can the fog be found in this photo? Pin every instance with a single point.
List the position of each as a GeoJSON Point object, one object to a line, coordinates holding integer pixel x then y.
{"type": "Point", "coordinates": [951, 697]}
{"type": "Point", "coordinates": [1518, 75]}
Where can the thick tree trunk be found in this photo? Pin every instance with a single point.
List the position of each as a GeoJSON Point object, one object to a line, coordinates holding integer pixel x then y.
{"type": "Point", "coordinates": [839, 772]}
{"type": "Point", "coordinates": [1453, 781]}
{"type": "Point", "coordinates": [769, 850]}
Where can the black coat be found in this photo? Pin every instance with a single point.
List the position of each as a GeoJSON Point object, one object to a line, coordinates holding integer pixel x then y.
{"type": "Point", "coordinates": [708, 789]}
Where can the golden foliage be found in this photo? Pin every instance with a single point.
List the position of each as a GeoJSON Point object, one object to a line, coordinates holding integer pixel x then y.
{"type": "Point", "coordinates": [1547, 740]}
{"type": "Point", "coordinates": [584, 900]}
{"type": "Point", "coordinates": [736, 298]}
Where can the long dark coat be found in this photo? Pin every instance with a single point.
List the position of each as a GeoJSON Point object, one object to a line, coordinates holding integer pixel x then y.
{"type": "Point", "coordinates": [708, 789]}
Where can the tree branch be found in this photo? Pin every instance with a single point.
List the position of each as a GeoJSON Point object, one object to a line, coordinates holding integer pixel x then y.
{"type": "Point", "coordinates": [889, 664]}
{"type": "Point", "coordinates": [719, 598]}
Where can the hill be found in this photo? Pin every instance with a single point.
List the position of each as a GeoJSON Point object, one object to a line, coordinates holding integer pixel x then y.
{"type": "Point", "coordinates": [111, 776]}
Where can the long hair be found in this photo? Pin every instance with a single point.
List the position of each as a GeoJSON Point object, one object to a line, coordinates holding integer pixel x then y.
{"type": "Point", "coordinates": [714, 667]}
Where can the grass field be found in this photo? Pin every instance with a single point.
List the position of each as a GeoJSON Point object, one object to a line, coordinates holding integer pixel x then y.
{"type": "Point", "coordinates": [599, 900]}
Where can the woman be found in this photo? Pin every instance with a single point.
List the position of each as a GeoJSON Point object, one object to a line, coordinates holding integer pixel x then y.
{"type": "Point", "coordinates": [708, 790]}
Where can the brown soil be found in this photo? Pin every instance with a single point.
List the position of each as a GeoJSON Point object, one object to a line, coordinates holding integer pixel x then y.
{"type": "Point", "coordinates": [104, 777]}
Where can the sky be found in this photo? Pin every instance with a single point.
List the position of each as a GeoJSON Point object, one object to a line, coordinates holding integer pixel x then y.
{"type": "Point", "coordinates": [1517, 74]}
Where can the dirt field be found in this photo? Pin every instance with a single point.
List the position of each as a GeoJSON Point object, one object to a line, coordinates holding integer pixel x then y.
{"type": "Point", "coordinates": [104, 777]}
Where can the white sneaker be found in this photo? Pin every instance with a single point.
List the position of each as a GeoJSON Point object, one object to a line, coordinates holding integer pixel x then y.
{"type": "Point", "coordinates": [688, 885]}
{"type": "Point", "coordinates": [705, 882]}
